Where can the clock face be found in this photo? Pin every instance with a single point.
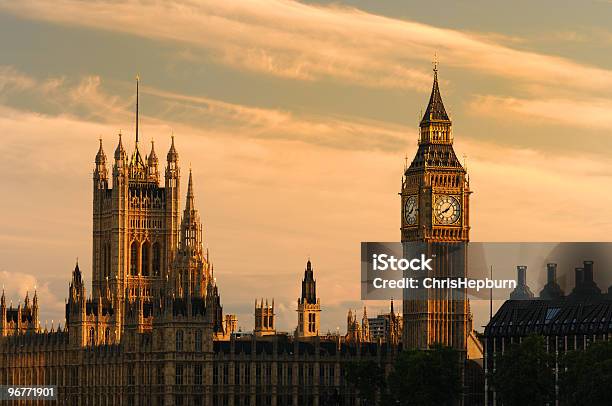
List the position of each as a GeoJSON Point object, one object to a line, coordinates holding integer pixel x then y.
{"type": "Point", "coordinates": [410, 210]}
{"type": "Point", "coordinates": [447, 209]}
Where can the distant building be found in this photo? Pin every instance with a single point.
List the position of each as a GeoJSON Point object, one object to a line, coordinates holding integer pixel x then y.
{"type": "Point", "coordinates": [308, 306]}
{"type": "Point", "coordinates": [567, 322]}
{"type": "Point", "coordinates": [386, 327]}
{"type": "Point", "coordinates": [264, 319]}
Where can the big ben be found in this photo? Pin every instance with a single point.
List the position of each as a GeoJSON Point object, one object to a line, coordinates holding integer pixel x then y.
{"type": "Point", "coordinates": [435, 217]}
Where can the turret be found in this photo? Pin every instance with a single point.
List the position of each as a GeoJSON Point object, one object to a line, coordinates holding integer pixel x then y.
{"type": "Point", "coordinates": [100, 172]}
{"type": "Point", "coordinates": [308, 306]}
{"type": "Point", "coordinates": [309, 285]}
{"type": "Point", "coordinates": [172, 190]}
{"type": "Point", "coordinates": [191, 227]}
{"type": "Point", "coordinates": [153, 164]}
{"type": "Point", "coordinates": [3, 321]}
{"type": "Point", "coordinates": [120, 167]}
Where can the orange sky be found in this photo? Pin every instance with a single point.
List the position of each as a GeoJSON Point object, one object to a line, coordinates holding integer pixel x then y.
{"type": "Point", "coordinates": [296, 120]}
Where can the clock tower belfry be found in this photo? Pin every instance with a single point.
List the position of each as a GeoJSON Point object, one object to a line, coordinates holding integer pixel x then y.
{"type": "Point", "coordinates": [435, 187]}
{"type": "Point", "coordinates": [435, 213]}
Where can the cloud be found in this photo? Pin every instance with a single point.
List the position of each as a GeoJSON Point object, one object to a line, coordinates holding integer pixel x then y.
{"type": "Point", "coordinates": [88, 99]}
{"type": "Point", "coordinates": [313, 42]}
{"type": "Point", "coordinates": [585, 113]}
{"type": "Point", "coordinates": [12, 80]}
{"type": "Point", "coordinates": [16, 284]}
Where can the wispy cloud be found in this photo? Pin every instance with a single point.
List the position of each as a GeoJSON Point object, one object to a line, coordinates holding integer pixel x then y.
{"type": "Point", "coordinates": [87, 98]}
{"type": "Point", "coordinates": [308, 42]}
{"type": "Point", "coordinates": [585, 113]}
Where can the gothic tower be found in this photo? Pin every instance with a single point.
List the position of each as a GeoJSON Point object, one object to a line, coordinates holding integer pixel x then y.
{"type": "Point", "coordinates": [190, 271]}
{"type": "Point", "coordinates": [264, 318]}
{"type": "Point", "coordinates": [135, 222]}
{"type": "Point", "coordinates": [309, 306]}
{"type": "Point", "coordinates": [435, 217]}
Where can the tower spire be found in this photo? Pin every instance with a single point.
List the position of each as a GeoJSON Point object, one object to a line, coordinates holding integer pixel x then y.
{"type": "Point", "coordinates": [435, 108]}
{"type": "Point", "coordinates": [137, 85]}
{"type": "Point", "coordinates": [190, 196]}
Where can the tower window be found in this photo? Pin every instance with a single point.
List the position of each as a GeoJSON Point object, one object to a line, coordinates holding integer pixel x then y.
{"type": "Point", "coordinates": [134, 258]}
{"type": "Point", "coordinates": [156, 258]}
{"type": "Point", "coordinates": [179, 375]}
{"type": "Point", "coordinates": [198, 340]}
{"type": "Point", "coordinates": [179, 340]}
{"type": "Point", "coordinates": [145, 259]}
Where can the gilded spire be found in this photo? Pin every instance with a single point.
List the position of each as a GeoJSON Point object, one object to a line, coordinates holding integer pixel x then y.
{"type": "Point", "coordinates": [435, 109]}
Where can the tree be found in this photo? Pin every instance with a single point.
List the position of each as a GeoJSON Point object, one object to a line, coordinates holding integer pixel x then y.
{"type": "Point", "coordinates": [425, 378]}
{"type": "Point", "coordinates": [367, 377]}
{"type": "Point", "coordinates": [586, 376]}
{"type": "Point", "coordinates": [523, 374]}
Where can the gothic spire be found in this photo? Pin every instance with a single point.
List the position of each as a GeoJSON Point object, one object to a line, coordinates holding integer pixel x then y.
{"type": "Point", "coordinates": [100, 156]}
{"type": "Point", "coordinates": [137, 83]}
{"type": "Point", "coordinates": [190, 205]}
{"type": "Point", "coordinates": [153, 156]}
{"type": "Point", "coordinates": [172, 154]}
{"type": "Point", "coordinates": [309, 285]}
{"type": "Point", "coordinates": [435, 109]}
{"type": "Point", "coordinates": [120, 154]}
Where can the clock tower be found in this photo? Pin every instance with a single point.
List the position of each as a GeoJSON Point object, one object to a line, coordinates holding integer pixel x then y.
{"type": "Point", "coordinates": [435, 218]}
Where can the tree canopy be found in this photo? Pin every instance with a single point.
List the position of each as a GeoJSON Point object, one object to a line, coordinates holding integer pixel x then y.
{"type": "Point", "coordinates": [586, 376]}
{"type": "Point", "coordinates": [524, 374]}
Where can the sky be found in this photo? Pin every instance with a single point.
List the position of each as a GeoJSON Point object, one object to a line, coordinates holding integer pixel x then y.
{"type": "Point", "coordinates": [296, 118]}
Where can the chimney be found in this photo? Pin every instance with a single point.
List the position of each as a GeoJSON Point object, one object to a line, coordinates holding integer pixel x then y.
{"type": "Point", "coordinates": [551, 273]}
{"type": "Point", "coordinates": [551, 290]}
{"type": "Point", "coordinates": [521, 271]}
{"type": "Point", "coordinates": [588, 272]}
{"type": "Point", "coordinates": [579, 277]}
{"type": "Point", "coordinates": [522, 291]}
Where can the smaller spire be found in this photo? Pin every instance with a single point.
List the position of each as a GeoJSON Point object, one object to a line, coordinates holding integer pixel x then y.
{"type": "Point", "coordinates": [152, 156]}
{"type": "Point", "coordinates": [100, 156]}
{"type": "Point", "coordinates": [120, 154]}
{"type": "Point", "coordinates": [172, 154]}
{"type": "Point", "coordinates": [190, 205]}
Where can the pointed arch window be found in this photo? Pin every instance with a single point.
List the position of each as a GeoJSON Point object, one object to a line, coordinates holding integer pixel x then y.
{"type": "Point", "coordinates": [92, 337]}
{"type": "Point", "coordinates": [156, 258]}
{"type": "Point", "coordinates": [107, 336]}
{"type": "Point", "coordinates": [134, 258]}
{"type": "Point", "coordinates": [145, 258]}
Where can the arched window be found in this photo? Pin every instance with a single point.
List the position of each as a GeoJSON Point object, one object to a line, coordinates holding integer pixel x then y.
{"type": "Point", "coordinates": [103, 260]}
{"type": "Point", "coordinates": [156, 259]}
{"type": "Point", "coordinates": [145, 258]}
{"type": "Point", "coordinates": [92, 337]}
{"type": "Point", "coordinates": [134, 258]}
{"type": "Point", "coordinates": [108, 259]}
{"type": "Point", "coordinates": [179, 340]}
{"type": "Point", "coordinates": [198, 340]}
{"type": "Point", "coordinates": [107, 336]}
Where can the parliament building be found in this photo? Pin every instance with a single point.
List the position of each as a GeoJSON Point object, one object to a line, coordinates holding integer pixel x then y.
{"type": "Point", "coordinates": [151, 331]}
